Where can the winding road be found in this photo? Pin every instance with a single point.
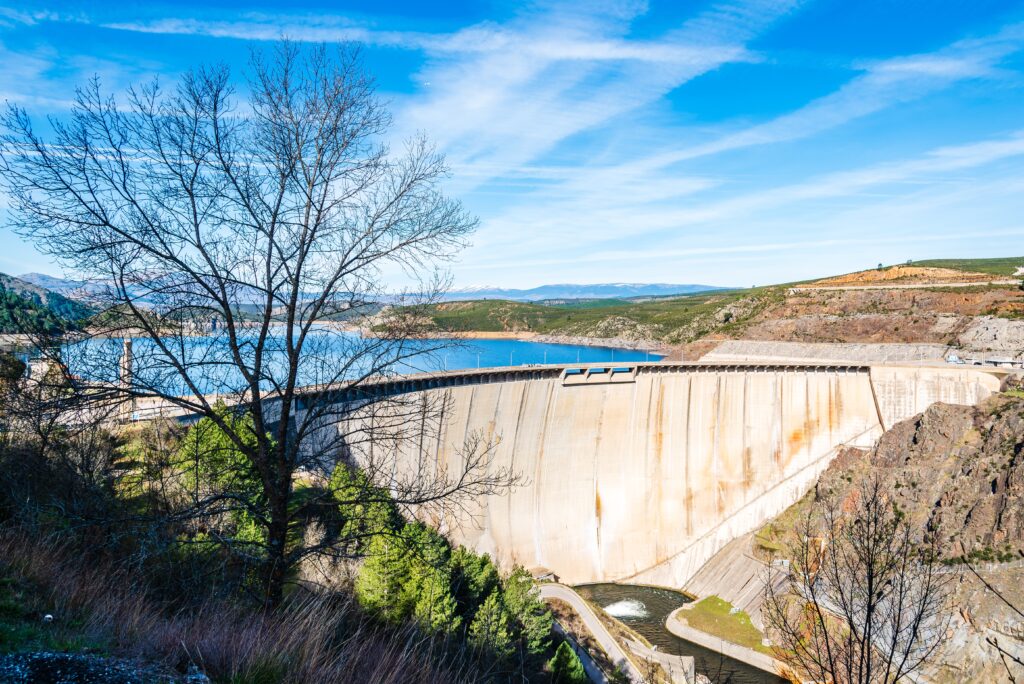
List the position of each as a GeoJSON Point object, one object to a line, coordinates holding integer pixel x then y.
{"type": "Point", "coordinates": [593, 623]}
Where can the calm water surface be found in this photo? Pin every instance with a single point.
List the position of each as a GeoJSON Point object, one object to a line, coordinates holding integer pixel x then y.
{"type": "Point", "coordinates": [211, 357]}
{"type": "Point", "coordinates": [645, 609]}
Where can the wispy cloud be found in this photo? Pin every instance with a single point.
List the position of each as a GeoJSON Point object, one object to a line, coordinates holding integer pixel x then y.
{"type": "Point", "coordinates": [568, 128]}
{"type": "Point", "coordinates": [656, 199]}
{"type": "Point", "coordinates": [497, 111]}
{"type": "Point", "coordinates": [880, 85]}
{"type": "Point", "coordinates": [885, 203]}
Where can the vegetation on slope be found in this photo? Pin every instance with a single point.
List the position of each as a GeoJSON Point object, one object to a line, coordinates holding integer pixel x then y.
{"type": "Point", "coordinates": [673, 320]}
{"type": "Point", "coordinates": [1002, 266]}
{"type": "Point", "coordinates": [127, 573]}
{"type": "Point", "coordinates": [20, 315]}
{"type": "Point", "coordinates": [25, 307]}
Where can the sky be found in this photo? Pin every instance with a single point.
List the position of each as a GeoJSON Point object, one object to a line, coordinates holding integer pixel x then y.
{"type": "Point", "coordinates": [734, 143]}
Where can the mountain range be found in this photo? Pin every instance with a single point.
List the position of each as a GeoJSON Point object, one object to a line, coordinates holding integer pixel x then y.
{"type": "Point", "coordinates": [576, 291]}
{"type": "Point", "coordinates": [76, 289]}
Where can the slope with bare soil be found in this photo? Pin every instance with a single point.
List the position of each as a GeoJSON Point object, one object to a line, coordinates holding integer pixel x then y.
{"type": "Point", "coordinates": [903, 275]}
{"type": "Point", "coordinates": [941, 316]}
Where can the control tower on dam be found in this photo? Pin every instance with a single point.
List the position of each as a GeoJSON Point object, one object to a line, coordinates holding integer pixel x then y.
{"type": "Point", "coordinates": [642, 472]}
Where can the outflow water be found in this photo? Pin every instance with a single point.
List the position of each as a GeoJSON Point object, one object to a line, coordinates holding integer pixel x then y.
{"type": "Point", "coordinates": [645, 609]}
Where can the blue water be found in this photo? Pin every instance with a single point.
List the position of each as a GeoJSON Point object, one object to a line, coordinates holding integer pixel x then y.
{"type": "Point", "coordinates": [328, 357]}
{"type": "Point", "coordinates": [493, 353]}
{"type": "Point", "coordinates": [645, 610]}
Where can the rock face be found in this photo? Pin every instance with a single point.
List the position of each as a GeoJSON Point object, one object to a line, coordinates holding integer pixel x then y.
{"type": "Point", "coordinates": [960, 470]}
{"type": "Point", "coordinates": [1000, 335]}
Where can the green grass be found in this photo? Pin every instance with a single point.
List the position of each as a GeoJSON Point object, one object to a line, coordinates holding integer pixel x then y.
{"type": "Point", "coordinates": [1003, 266]}
{"type": "Point", "coordinates": [712, 615]}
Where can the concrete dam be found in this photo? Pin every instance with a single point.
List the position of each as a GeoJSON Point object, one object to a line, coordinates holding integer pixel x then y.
{"type": "Point", "coordinates": [640, 473]}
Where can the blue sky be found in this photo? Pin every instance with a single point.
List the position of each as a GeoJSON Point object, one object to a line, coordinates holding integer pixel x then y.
{"type": "Point", "coordinates": [733, 142]}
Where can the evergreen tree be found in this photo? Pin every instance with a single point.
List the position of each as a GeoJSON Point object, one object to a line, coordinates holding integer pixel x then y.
{"type": "Point", "coordinates": [217, 473]}
{"type": "Point", "coordinates": [434, 607]}
{"type": "Point", "coordinates": [566, 667]}
{"type": "Point", "coordinates": [474, 577]}
{"type": "Point", "coordinates": [428, 586]}
{"type": "Point", "coordinates": [531, 616]}
{"type": "Point", "coordinates": [383, 576]}
{"type": "Point", "coordinates": [490, 629]}
{"type": "Point", "coordinates": [366, 510]}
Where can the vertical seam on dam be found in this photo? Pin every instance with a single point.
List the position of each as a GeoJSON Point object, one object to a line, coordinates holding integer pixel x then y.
{"type": "Point", "coordinates": [874, 399]}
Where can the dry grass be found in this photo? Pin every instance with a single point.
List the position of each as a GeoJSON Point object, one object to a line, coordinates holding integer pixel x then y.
{"type": "Point", "coordinates": [312, 638]}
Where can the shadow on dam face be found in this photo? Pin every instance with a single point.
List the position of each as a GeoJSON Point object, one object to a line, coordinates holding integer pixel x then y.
{"type": "Point", "coordinates": [645, 478]}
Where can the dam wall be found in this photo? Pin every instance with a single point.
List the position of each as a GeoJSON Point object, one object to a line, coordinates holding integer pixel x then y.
{"type": "Point", "coordinates": [643, 476]}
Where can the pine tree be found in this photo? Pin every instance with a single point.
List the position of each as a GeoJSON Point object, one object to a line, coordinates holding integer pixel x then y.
{"type": "Point", "coordinates": [474, 577]}
{"type": "Point", "coordinates": [490, 629]}
{"type": "Point", "coordinates": [531, 616]}
{"type": "Point", "coordinates": [366, 510]}
{"type": "Point", "coordinates": [434, 607]}
{"type": "Point", "coordinates": [380, 585]}
{"type": "Point", "coordinates": [566, 667]}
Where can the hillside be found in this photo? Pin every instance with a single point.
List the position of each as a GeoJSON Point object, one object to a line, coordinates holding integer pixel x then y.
{"type": "Point", "coordinates": [579, 291]}
{"type": "Point", "coordinates": [903, 275]}
{"type": "Point", "coordinates": [673, 320]}
{"type": "Point", "coordinates": [1002, 266]}
{"type": "Point", "coordinates": [63, 307]}
{"type": "Point", "coordinates": [977, 315]}
{"type": "Point", "coordinates": [28, 307]}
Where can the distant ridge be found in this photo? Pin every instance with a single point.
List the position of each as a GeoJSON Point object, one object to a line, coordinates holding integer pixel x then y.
{"type": "Point", "coordinates": [62, 286]}
{"type": "Point", "coordinates": [577, 291]}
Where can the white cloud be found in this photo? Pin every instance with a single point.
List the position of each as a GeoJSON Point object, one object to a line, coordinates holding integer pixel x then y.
{"type": "Point", "coordinates": [496, 111]}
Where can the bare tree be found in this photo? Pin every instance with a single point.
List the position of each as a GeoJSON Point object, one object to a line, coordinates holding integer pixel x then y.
{"type": "Point", "coordinates": [1009, 656]}
{"type": "Point", "coordinates": [868, 602]}
{"type": "Point", "coordinates": [228, 237]}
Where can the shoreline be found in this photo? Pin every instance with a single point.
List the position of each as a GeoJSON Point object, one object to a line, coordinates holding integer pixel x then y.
{"type": "Point", "coordinates": [659, 348]}
{"type": "Point", "coordinates": [652, 346]}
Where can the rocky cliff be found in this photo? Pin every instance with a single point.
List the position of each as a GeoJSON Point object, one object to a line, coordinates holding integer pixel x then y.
{"type": "Point", "coordinates": [958, 470]}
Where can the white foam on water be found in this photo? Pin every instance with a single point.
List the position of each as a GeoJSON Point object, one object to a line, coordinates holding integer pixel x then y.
{"type": "Point", "coordinates": [627, 608]}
